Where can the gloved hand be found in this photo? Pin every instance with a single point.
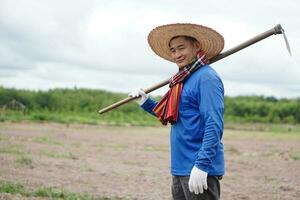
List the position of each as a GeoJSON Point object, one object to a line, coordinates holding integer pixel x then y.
{"type": "Point", "coordinates": [139, 93]}
{"type": "Point", "coordinates": [198, 180]}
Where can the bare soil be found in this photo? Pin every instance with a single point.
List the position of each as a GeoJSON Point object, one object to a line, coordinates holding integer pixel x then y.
{"type": "Point", "coordinates": [133, 162]}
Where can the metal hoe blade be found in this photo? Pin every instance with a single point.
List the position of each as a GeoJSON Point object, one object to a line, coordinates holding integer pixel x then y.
{"type": "Point", "coordinates": [286, 42]}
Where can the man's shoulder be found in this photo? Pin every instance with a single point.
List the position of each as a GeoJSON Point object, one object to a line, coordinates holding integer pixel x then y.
{"type": "Point", "coordinates": [206, 73]}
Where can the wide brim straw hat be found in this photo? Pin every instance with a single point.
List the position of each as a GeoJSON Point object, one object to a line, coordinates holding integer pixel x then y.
{"type": "Point", "coordinates": [212, 43]}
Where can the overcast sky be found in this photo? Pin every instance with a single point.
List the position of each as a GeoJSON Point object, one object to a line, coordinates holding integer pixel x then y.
{"type": "Point", "coordinates": [103, 44]}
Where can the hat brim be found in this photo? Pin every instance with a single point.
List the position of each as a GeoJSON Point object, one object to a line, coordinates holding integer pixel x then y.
{"type": "Point", "coordinates": [212, 43]}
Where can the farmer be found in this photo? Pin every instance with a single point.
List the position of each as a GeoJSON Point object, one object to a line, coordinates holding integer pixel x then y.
{"type": "Point", "coordinates": [194, 107]}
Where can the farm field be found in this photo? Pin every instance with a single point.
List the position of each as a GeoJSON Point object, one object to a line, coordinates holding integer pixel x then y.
{"type": "Point", "coordinates": [49, 160]}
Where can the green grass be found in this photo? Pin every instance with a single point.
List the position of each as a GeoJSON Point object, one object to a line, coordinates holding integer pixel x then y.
{"type": "Point", "coordinates": [231, 149]}
{"type": "Point", "coordinates": [12, 188]}
{"type": "Point", "coordinates": [12, 149]}
{"type": "Point", "coordinates": [24, 160]}
{"type": "Point", "coordinates": [116, 146]}
{"type": "Point", "coordinates": [261, 135]}
{"type": "Point", "coordinates": [59, 193]}
{"type": "Point", "coordinates": [295, 156]}
{"type": "Point", "coordinates": [116, 118]}
{"type": "Point", "coordinates": [46, 140]}
{"type": "Point", "coordinates": [119, 117]}
{"type": "Point", "coordinates": [137, 118]}
{"type": "Point", "coordinates": [52, 154]}
{"type": "Point", "coordinates": [265, 127]}
{"type": "Point", "coordinates": [48, 192]}
{"type": "Point", "coordinates": [1, 138]}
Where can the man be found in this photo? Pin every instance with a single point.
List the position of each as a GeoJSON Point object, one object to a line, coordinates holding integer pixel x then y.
{"type": "Point", "coordinates": [193, 106]}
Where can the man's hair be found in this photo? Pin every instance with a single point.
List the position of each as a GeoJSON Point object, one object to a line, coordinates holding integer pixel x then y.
{"type": "Point", "coordinates": [188, 38]}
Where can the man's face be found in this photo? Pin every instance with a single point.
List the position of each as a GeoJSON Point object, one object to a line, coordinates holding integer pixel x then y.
{"type": "Point", "coordinates": [183, 51]}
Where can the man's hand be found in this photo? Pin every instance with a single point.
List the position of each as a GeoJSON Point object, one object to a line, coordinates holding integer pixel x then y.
{"type": "Point", "coordinates": [198, 181]}
{"type": "Point", "coordinates": [139, 93]}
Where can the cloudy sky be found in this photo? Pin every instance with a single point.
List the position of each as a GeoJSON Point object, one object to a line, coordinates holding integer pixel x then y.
{"type": "Point", "coordinates": [102, 44]}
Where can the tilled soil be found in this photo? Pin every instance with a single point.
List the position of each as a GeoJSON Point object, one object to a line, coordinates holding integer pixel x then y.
{"type": "Point", "coordinates": [133, 162]}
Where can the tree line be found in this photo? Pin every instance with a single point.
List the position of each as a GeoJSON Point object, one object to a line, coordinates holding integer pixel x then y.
{"type": "Point", "coordinates": [87, 102]}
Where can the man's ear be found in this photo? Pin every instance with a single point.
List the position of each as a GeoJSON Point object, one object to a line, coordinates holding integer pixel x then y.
{"type": "Point", "coordinates": [197, 45]}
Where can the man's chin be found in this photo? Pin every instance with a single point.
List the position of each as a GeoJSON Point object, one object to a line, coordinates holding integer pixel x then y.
{"type": "Point", "coordinates": [181, 65]}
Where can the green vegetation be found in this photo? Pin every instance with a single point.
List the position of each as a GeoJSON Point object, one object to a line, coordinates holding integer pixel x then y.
{"type": "Point", "coordinates": [52, 154]}
{"type": "Point", "coordinates": [12, 149]}
{"type": "Point", "coordinates": [82, 105]}
{"type": "Point", "coordinates": [115, 146]}
{"type": "Point", "coordinates": [50, 192]}
{"type": "Point", "coordinates": [24, 160]}
{"type": "Point", "coordinates": [262, 109]}
{"type": "Point", "coordinates": [71, 106]}
{"type": "Point", "coordinates": [295, 156]}
{"type": "Point", "coordinates": [241, 134]}
{"type": "Point", "coordinates": [46, 140]}
{"type": "Point", "coordinates": [12, 188]}
{"type": "Point", "coordinates": [231, 149]}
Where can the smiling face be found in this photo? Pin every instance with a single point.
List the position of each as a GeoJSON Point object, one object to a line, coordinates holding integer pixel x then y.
{"type": "Point", "coordinates": [183, 50]}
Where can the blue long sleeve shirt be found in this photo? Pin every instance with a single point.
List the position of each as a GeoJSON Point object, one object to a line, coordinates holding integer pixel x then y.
{"type": "Point", "coordinates": [196, 138]}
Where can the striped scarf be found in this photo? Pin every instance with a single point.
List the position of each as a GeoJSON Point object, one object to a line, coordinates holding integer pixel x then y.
{"type": "Point", "coordinates": [167, 109]}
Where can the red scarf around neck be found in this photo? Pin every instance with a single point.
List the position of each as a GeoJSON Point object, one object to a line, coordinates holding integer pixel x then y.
{"type": "Point", "coordinates": [167, 108]}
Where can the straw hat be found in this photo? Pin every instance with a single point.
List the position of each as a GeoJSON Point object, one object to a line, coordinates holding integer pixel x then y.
{"type": "Point", "coordinates": [212, 43]}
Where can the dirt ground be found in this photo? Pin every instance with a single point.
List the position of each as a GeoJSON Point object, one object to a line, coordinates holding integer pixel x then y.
{"type": "Point", "coordinates": [133, 162]}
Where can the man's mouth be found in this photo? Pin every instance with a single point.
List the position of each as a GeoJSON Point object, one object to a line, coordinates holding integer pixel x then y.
{"type": "Point", "coordinates": [180, 61]}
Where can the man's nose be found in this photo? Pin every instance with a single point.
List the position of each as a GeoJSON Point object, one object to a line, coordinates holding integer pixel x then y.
{"type": "Point", "coordinates": [178, 54]}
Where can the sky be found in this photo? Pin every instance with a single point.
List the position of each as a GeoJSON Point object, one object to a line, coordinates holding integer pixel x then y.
{"type": "Point", "coordinates": [102, 44]}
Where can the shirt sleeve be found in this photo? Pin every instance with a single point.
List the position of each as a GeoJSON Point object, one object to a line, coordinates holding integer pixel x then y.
{"type": "Point", "coordinates": [148, 105]}
{"type": "Point", "coordinates": [211, 107]}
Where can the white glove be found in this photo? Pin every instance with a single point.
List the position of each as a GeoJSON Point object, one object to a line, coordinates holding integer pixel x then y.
{"type": "Point", "coordinates": [139, 93]}
{"type": "Point", "coordinates": [198, 181]}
